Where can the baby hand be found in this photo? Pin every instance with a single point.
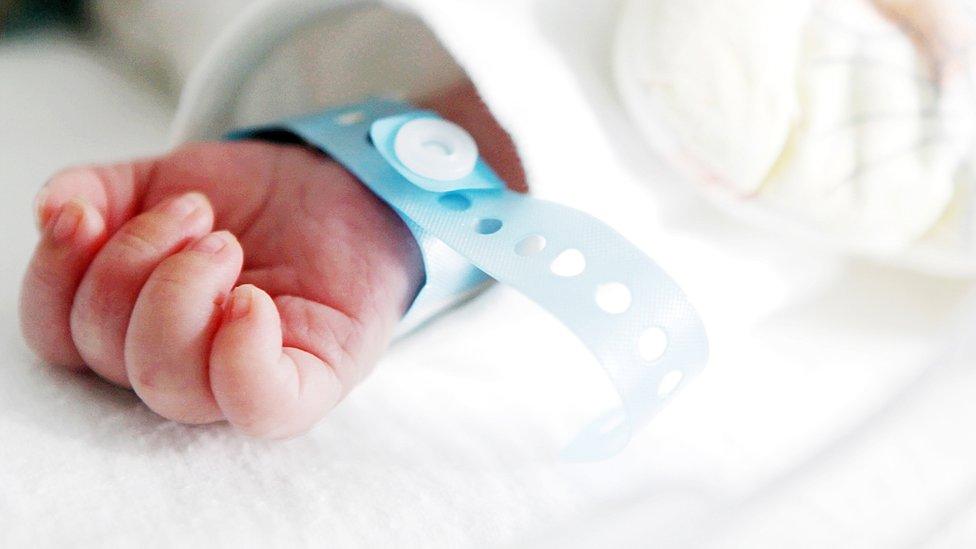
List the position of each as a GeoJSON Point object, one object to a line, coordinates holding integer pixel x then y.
{"type": "Point", "coordinates": [136, 271]}
{"type": "Point", "coordinates": [247, 281]}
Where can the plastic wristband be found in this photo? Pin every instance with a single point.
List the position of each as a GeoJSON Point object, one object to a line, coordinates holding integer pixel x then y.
{"type": "Point", "coordinates": [630, 314]}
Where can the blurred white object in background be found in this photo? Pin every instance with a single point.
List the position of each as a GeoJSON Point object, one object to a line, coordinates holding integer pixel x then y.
{"type": "Point", "coordinates": [848, 122]}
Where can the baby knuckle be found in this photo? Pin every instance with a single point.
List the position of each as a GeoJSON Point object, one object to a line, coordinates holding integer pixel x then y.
{"type": "Point", "coordinates": [171, 274]}
{"type": "Point", "coordinates": [69, 177]}
{"type": "Point", "coordinates": [140, 240]}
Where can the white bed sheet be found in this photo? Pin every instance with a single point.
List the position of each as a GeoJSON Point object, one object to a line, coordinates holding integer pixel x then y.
{"type": "Point", "coordinates": [826, 418]}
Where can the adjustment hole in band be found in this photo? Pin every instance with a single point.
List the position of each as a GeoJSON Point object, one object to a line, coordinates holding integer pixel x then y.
{"type": "Point", "coordinates": [652, 344]}
{"type": "Point", "coordinates": [350, 118]}
{"type": "Point", "coordinates": [613, 298]}
{"type": "Point", "coordinates": [489, 225]}
{"type": "Point", "coordinates": [531, 245]}
{"type": "Point", "coordinates": [456, 202]}
{"type": "Point", "coordinates": [569, 263]}
{"type": "Point", "coordinates": [669, 383]}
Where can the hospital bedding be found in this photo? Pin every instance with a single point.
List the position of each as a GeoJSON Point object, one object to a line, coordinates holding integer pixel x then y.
{"type": "Point", "coordinates": [838, 409]}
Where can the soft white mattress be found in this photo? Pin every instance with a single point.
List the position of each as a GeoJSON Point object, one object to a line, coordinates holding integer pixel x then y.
{"type": "Point", "coordinates": [831, 413]}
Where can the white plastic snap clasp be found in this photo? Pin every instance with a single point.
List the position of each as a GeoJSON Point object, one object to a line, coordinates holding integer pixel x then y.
{"type": "Point", "coordinates": [436, 149]}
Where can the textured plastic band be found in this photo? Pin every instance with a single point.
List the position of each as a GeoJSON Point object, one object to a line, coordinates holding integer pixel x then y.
{"type": "Point", "coordinates": [630, 314]}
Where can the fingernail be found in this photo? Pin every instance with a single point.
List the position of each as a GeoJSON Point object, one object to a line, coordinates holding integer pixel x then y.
{"type": "Point", "coordinates": [185, 205]}
{"type": "Point", "coordinates": [211, 244]}
{"type": "Point", "coordinates": [41, 215]}
{"type": "Point", "coordinates": [67, 221]}
{"type": "Point", "coordinates": [240, 303]}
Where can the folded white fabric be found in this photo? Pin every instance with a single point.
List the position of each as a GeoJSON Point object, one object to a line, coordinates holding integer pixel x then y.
{"type": "Point", "coordinates": [851, 121]}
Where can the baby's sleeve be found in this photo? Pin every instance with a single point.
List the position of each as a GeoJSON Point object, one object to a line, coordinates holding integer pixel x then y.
{"type": "Point", "coordinates": [363, 49]}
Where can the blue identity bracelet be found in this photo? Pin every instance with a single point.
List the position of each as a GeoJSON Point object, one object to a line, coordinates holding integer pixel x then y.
{"type": "Point", "coordinates": [630, 314]}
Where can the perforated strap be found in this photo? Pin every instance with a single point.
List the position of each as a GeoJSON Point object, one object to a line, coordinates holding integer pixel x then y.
{"type": "Point", "coordinates": [630, 314]}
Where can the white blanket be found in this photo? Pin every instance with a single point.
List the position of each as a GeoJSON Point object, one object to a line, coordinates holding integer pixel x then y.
{"type": "Point", "coordinates": [829, 416]}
